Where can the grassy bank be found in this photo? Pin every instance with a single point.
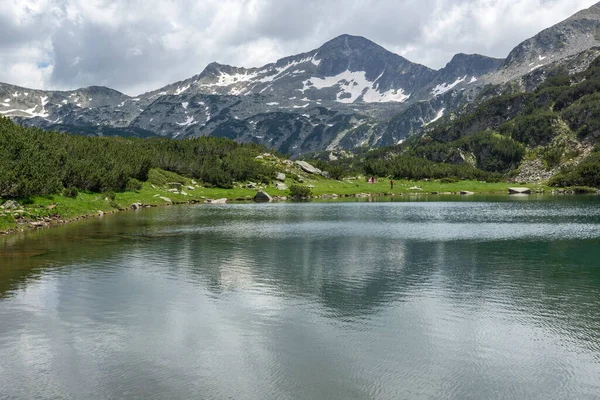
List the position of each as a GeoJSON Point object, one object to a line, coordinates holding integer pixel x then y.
{"type": "Point", "coordinates": [43, 211]}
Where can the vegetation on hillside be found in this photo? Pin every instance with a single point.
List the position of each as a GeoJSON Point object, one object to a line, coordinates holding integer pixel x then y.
{"type": "Point", "coordinates": [37, 162]}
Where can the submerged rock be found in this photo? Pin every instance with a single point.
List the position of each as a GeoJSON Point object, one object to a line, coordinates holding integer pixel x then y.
{"type": "Point", "coordinates": [519, 190]}
{"type": "Point", "coordinates": [216, 201]}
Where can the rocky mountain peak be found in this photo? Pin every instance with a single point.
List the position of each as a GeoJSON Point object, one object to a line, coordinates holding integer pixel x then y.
{"type": "Point", "coordinates": [592, 12]}
{"type": "Point", "coordinates": [574, 35]}
{"type": "Point", "coordinates": [472, 64]}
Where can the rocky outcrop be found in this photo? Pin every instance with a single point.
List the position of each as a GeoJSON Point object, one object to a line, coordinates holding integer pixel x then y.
{"type": "Point", "coordinates": [306, 167]}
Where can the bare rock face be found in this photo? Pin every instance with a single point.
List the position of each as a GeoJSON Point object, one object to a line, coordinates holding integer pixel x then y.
{"type": "Point", "coordinates": [262, 197]}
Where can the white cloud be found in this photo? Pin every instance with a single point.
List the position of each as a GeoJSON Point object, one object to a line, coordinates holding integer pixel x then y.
{"type": "Point", "coordinates": [140, 45]}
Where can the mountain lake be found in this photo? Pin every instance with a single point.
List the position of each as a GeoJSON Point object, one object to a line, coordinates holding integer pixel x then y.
{"type": "Point", "coordinates": [479, 297]}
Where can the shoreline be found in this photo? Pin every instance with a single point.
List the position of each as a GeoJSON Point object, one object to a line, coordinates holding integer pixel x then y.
{"type": "Point", "coordinates": [23, 223]}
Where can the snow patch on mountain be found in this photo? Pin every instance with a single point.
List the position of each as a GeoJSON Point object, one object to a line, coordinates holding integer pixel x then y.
{"type": "Point", "coordinates": [179, 90]}
{"type": "Point", "coordinates": [353, 85]}
{"type": "Point", "coordinates": [445, 87]}
{"type": "Point", "coordinates": [189, 121]}
{"type": "Point", "coordinates": [439, 115]}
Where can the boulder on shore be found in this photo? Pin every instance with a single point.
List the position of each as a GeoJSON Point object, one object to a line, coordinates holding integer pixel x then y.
{"type": "Point", "coordinates": [136, 206]}
{"type": "Point", "coordinates": [262, 197]}
{"type": "Point", "coordinates": [280, 186]}
{"type": "Point", "coordinates": [519, 190]}
{"type": "Point", "coordinates": [168, 200]}
{"type": "Point", "coordinates": [466, 193]}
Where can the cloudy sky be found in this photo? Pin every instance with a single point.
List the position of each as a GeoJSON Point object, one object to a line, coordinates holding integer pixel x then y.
{"type": "Point", "coordinates": [138, 45]}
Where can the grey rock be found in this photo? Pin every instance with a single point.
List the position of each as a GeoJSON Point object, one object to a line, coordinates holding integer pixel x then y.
{"type": "Point", "coordinates": [262, 197]}
{"type": "Point", "coordinates": [168, 200]}
{"type": "Point", "coordinates": [306, 167]}
{"type": "Point", "coordinates": [325, 174]}
{"type": "Point", "coordinates": [280, 176]}
{"type": "Point", "coordinates": [280, 186]}
{"type": "Point", "coordinates": [216, 201]}
{"type": "Point", "coordinates": [136, 206]}
{"type": "Point", "coordinates": [466, 193]}
{"type": "Point", "coordinates": [10, 205]}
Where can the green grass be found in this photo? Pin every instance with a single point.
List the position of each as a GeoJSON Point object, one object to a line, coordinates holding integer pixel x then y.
{"type": "Point", "coordinates": [85, 204]}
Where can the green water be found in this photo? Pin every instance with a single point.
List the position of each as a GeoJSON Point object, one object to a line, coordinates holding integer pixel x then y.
{"type": "Point", "coordinates": [471, 299]}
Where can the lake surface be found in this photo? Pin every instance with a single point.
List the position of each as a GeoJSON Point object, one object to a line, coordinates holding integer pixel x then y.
{"type": "Point", "coordinates": [470, 299]}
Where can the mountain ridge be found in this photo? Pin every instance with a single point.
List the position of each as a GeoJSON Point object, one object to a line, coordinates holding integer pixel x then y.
{"type": "Point", "coordinates": [350, 92]}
